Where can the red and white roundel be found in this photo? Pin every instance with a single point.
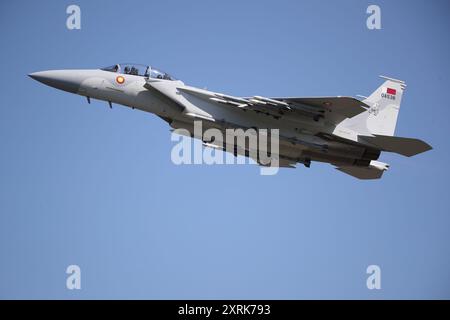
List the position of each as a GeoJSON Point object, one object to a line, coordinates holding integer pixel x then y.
{"type": "Point", "coordinates": [120, 79]}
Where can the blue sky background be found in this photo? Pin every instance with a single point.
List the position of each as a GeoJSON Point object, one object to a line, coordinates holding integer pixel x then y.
{"type": "Point", "coordinates": [83, 184]}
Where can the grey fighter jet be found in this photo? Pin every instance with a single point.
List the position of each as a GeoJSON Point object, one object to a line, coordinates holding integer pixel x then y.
{"type": "Point", "coordinates": [346, 132]}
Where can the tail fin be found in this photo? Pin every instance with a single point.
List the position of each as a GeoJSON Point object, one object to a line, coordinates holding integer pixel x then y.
{"type": "Point", "coordinates": [384, 104]}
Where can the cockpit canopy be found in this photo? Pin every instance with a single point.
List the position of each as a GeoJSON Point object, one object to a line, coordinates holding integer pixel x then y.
{"type": "Point", "coordinates": [139, 70]}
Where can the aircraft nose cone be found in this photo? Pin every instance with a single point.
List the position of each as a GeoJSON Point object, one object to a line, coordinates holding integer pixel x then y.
{"type": "Point", "coordinates": [67, 80]}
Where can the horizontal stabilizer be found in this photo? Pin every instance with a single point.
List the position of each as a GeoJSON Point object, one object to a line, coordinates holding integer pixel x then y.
{"type": "Point", "coordinates": [404, 146]}
{"type": "Point", "coordinates": [374, 171]}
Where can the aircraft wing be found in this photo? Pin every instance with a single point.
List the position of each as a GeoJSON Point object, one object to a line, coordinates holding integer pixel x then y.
{"type": "Point", "coordinates": [332, 109]}
{"type": "Point", "coordinates": [347, 107]}
{"type": "Point", "coordinates": [282, 162]}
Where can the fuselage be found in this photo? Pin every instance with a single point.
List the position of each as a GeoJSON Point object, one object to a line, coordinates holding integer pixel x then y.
{"type": "Point", "coordinates": [302, 138]}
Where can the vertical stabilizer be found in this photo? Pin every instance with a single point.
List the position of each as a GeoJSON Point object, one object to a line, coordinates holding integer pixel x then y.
{"type": "Point", "coordinates": [381, 117]}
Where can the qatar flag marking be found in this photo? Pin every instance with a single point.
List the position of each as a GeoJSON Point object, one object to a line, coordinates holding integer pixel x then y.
{"type": "Point", "coordinates": [389, 93]}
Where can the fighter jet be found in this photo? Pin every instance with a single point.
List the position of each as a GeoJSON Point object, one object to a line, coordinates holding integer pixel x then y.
{"type": "Point", "coordinates": [347, 132]}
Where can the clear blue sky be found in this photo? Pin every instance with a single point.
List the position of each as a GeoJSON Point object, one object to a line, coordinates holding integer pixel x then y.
{"type": "Point", "coordinates": [83, 184]}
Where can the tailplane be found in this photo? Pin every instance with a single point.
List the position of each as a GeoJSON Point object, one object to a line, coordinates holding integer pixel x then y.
{"type": "Point", "coordinates": [373, 171]}
{"type": "Point", "coordinates": [407, 147]}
